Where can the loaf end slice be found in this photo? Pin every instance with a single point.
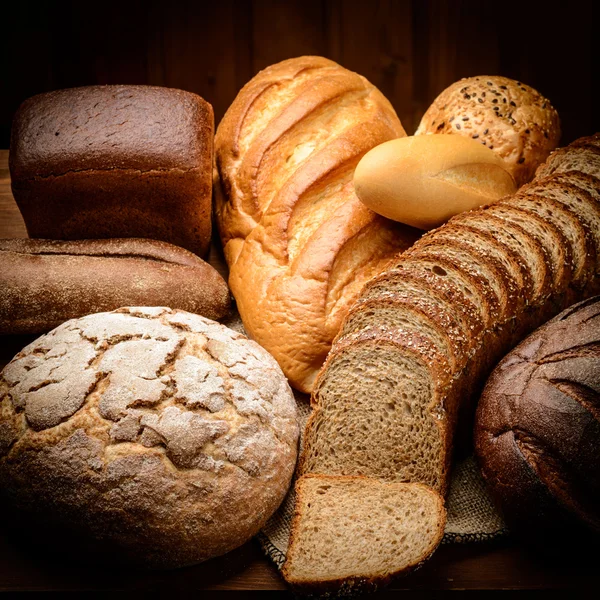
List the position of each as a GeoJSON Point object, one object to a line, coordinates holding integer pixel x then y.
{"type": "Point", "coordinates": [352, 534]}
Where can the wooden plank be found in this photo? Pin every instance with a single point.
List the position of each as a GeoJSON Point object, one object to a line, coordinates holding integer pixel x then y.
{"type": "Point", "coordinates": [283, 30]}
{"type": "Point", "coordinates": [198, 45]}
{"type": "Point", "coordinates": [375, 40]}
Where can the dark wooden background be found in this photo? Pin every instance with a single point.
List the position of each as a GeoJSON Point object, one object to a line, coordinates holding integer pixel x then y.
{"type": "Point", "coordinates": [411, 49]}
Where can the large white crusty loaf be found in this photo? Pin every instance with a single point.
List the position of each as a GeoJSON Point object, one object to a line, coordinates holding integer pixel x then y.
{"type": "Point", "coordinates": [425, 332]}
{"type": "Point", "coordinates": [298, 242]}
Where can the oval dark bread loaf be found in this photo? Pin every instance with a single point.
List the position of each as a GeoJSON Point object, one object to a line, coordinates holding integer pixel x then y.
{"type": "Point", "coordinates": [45, 282]}
{"type": "Point", "coordinates": [156, 436]}
{"type": "Point", "coordinates": [418, 345]}
{"type": "Point", "coordinates": [537, 431]}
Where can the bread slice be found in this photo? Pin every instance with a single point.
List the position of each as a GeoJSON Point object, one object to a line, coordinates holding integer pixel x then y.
{"type": "Point", "coordinates": [420, 285]}
{"type": "Point", "coordinates": [481, 270]}
{"type": "Point", "coordinates": [582, 204]}
{"type": "Point", "coordinates": [515, 237]}
{"type": "Point", "coordinates": [411, 313]}
{"type": "Point", "coordinates": [550, 238]}
{"type": "Point", "coordinates": [386, 399]}
{"type": "Point", "coordinates": [566, 221]}
{"type": "Point", "coordinates": [457, 286]}
{"type": "Point", "coordinates": [583, 159]}
{"type": "Point", "coordinates": [486, 247]}
{"type": "Point", "coordinates": [352, 534]}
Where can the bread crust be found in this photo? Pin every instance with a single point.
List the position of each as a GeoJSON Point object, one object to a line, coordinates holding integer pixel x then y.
{"type": "Point", "coordinates": [163, 436]}
{"type": "Point", "coordinates": [81, 165]}
{"type": "Point", "coordinates": [298, 242]}
{"type": "Point", "coordinates": [537, 423]}
{"type": "Point", "coordinates": [46, 282]}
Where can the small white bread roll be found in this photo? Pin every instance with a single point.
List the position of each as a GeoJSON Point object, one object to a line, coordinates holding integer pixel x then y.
{"type": "Point", "coordinates": [424, 180]}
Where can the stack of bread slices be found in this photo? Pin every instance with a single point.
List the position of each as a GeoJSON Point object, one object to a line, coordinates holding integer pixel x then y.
{"type": "Point", "coordinates": [417, 347]}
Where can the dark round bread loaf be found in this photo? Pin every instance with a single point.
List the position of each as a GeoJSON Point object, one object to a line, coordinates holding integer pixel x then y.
{"type": "Point", "coordinates": [537, 430]}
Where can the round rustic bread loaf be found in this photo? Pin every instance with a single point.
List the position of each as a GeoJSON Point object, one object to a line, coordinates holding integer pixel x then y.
{"type": "Point", "coordinates": [537, 431]}
{"type": "Point", "coordinates": [505, 115]}
{"type": "Point", "coordinates": [159, 434]}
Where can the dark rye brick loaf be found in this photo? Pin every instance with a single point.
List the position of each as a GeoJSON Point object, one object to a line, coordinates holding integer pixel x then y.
{"type": "Point", "coordinates": [537, 431]}
{"type": "Point", "coordinates": [115, 161]}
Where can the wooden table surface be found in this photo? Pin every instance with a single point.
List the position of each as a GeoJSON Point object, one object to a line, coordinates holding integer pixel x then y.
{"type": "Point", "coordinates": [503, 564]}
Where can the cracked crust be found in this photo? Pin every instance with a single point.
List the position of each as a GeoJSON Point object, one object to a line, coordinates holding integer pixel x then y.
{"type": "Point", "coordinates": [81, 165]}
{"type": "Point", "coordinates": [165, 434]}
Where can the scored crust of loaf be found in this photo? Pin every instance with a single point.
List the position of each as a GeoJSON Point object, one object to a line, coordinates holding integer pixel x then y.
{"type": "Point", "coordinates": [81, 165]}
{"type": "Point", "coordinates": [386, 528]}
{"type": "Point", "coordinates": [298, 242]}
{"type": "Point", "coordinates": [507, 116]}
{"type": "Point", "coordinates": [164, 435]}
{"type": "Point", "coordinates": [538, 428]}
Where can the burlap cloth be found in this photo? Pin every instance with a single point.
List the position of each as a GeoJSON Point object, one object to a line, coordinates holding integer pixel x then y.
{"type": "Point", "coordinates": [471, 514]}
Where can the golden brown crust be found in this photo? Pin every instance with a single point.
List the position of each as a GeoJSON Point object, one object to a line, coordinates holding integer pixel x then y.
{"type": "Point", "coordinates": [298, 242]}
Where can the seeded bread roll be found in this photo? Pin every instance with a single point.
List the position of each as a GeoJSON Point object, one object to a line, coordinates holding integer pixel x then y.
{"type": "Point", "coordinates": [162, 436]}
{"type": "Point", "coordinates": [115, 161]}
{"type": "Point", "coordinates": [507, 116]}
{"type": "Point", "coordinates": [537, 431]}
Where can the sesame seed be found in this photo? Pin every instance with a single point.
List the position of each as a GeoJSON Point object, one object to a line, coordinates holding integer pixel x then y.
{"type": "Point", "coordinates": [489, 83]}
{"type": "Point", "coordinates": [512, 103]}
{"type": "Point", "coordinates": [495, 101]}
{"type": "Point", "coordinates": [475, 136]}
{"type": "Point", "coordinates": [450, 119]}
{"type": "Point", "coordinates": [544, 105]}
{"type": "Point", "coordinates": [502, 87]}
{"type": "Point", "coordinates": [480, 100]}
{"type": "Point", "coordinates": [485, 132]}
{"type": "Point", "coordinates": [496, 108]}
{"type": "Point", "coordinates": [458, 126]}
{"type": "Point", "coordinates": [467, 97]}
{"type": "Point", "coordinates": [491, 147]}
{"type": "Point", "coordinates": [504, 100]}
{"type": "Point", "coordinates": [465, 118]}
{"type": "Point", "coordinates": [441, 125]}
{"type": "Point", "coordinates": [521, 160]}
{"type": "Point", "coordinates": [527, 131]}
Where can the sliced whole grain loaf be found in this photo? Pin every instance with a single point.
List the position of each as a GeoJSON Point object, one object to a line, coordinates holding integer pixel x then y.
{"type": "Point", "coordinates": [387, 399]}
